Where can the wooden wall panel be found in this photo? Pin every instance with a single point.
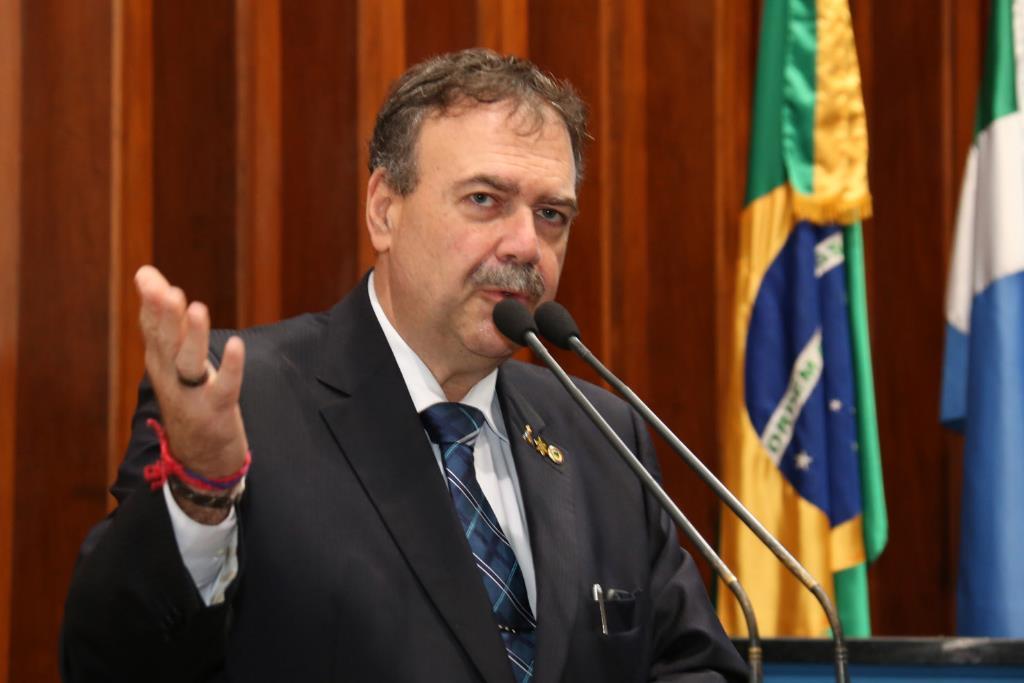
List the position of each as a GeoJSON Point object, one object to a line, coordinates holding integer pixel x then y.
{"type": "Point", "coordinates": [258, 173]}
{"type": "Point", "coordinates": [968, 26]}
{"type": "Point", "coordinates": [735, 64]}
{"type": "Point", "coordinates": [10, 220]}
{"type": "Point", "coordinates": [435, 29]}
{"type": "Point", "coordinates": [911, 181]}
{"type": "Point", "coordinates": [553, 26]}
{"type": "Point", "coordinates": [380, 59]}
{"type": "Point", "coordinates": [131, 211]}
{"type": "Point", "coordinates": [622, 154]}
{"type": "Point", "coordinates": [321, 153]}
{"type": "Point", "coordinates": [194, 155]}
{"type": "Point", "coordinates": [503, 25]}
{"type": "Point", "coordinates": [61, 421]}
{"type": "Point", "coordinates": [681, 144]}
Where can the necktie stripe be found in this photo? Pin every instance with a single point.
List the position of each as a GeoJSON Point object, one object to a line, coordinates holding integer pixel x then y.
{"type": "Point", "coordinates": [505, 590]}
{"type": "Point", "coordinates": [476, 424]}
{"type": "Point", "coordinates": [493, 524]}
{"type": "Point", "coordinates": [518, 661]}
{"type": "Point", "coordinates": [519, 648]}
{"type": "Point", "coordinates": [472, 526]}
{"type": "Point", "coordinates": [511, 573]}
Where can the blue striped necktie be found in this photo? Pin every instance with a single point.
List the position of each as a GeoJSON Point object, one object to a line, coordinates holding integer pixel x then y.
{"type": "Point", "coordinates": [454, 428]}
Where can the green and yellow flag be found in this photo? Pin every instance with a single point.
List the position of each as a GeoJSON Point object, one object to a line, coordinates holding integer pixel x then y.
{"type": "Point", "coordinates": [800, 441]}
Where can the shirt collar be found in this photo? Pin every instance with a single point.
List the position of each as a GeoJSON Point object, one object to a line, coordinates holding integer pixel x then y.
{"type": "Point", "coordinates": [423, 386]}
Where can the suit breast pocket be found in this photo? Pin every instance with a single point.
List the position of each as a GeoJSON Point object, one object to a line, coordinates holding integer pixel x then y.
{"type": "Point", "coordinates": [615, 610]}
{"type": "Point", "coordinates": [612, 644]}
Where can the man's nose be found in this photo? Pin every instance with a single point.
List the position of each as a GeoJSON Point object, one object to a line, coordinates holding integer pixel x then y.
{"type": "Point", "coordinates": [519, 240]}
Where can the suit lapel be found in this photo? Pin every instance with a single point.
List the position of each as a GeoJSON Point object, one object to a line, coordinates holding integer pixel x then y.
{"type": "Point", "coordinates": [377, 428]}
{"type": "Point", "coordinates": [550, 514]}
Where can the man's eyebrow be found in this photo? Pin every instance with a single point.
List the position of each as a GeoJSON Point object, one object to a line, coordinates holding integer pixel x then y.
{"type": "Point", "coordinates": [511, 188]}
{"type": "Point", "coordinates": [492, 181]}
{"type": "Point", "coordinates": [567, 203]}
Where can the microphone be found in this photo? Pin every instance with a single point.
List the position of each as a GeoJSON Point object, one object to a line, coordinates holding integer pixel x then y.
{"type": "Point", "coordinates": [514, 321]}
{"type": "Point", "coordinates": [558, 326]}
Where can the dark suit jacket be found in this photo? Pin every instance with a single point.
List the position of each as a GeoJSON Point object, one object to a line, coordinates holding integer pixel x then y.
{"type": "Point", "coordinates": [354, 566]}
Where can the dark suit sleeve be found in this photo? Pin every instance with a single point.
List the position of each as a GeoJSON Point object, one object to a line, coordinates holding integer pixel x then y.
{"type": "Point", "coordinates": [689, 642]}
{"type": "Point", "coordinates": [133, 612]}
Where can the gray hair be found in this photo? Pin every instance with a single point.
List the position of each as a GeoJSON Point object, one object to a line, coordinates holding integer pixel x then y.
{"type": "Point", "coordinates": [475, 75]}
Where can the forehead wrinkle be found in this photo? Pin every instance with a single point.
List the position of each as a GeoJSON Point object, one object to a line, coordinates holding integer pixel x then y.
{"type": "Point", "coordinates": [507, 142]}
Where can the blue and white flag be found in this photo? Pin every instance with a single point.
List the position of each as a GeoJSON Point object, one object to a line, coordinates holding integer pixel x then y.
{"type": "Point", "coordinates": [983, 373]}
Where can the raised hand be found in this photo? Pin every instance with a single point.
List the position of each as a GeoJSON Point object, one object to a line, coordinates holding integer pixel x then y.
{"type": "Point", "coordinates": [198, 404]}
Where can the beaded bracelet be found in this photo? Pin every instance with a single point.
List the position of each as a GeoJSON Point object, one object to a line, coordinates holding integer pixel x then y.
{"type": "Point", "coordinates": [217, 502]}
{"type": "Point", "coordinates": [168, 469]}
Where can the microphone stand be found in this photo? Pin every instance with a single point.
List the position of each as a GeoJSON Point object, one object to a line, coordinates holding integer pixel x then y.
{"type": "Point", "coordinates": [754, 651]}
{"type": "Point", "coordinates": [780, 551]}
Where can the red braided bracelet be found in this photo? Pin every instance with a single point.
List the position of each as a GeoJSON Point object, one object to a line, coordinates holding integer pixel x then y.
{"type": "Point", "coordinates": [167, 466]}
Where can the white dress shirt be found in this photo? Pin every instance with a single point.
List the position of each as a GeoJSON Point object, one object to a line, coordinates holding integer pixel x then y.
{"type": "Point", "coordinates": [209, 551]}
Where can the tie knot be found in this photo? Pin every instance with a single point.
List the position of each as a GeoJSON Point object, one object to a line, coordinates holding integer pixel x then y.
{"type": "Point", "coordinates": [448, 423]}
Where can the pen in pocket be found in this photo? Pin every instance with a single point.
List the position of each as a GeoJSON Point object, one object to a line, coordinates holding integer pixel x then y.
{"type": "Point", "coordinates": [599, 599]}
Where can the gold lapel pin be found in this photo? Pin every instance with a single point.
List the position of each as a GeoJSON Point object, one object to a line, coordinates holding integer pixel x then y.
{"type": "Point", "coordinates": [528, 435]}
{"type": "Point", "coordinates": [549, 451]}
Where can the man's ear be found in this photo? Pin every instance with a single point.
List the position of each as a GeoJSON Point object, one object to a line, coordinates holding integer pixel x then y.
{"type": "Point", "coordinates": [382, 203]}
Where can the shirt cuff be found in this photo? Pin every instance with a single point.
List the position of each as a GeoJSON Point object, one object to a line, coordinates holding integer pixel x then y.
{"type": "Point", "coordinates": [209, 551]}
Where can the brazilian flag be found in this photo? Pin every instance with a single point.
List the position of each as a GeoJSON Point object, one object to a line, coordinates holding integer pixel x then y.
{"type": "Point", "coordinates": [799, 435]}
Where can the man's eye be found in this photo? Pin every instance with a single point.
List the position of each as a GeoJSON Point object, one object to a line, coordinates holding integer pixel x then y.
{"type": "Point", "coordinates": [481, 199]}
{"type": "Point", "coordinates": [552, 216]}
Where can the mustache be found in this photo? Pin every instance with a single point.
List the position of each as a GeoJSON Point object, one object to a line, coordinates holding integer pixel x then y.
{"type": "Point", "coordinates": [518, 278]}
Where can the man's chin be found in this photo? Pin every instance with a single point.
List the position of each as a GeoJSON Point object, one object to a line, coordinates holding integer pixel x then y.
{"type": "Point", "coordinates": [501, 352]}
{"type": "Point", "coordinates": [493, 345]}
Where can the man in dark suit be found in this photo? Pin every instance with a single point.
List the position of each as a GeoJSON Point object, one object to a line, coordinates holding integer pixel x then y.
{"type": "Point", "coordinates": [418, 509]}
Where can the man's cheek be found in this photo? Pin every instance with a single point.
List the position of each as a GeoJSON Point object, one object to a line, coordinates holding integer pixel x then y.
{"type": "Point", "coordinates": [552, 276]}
